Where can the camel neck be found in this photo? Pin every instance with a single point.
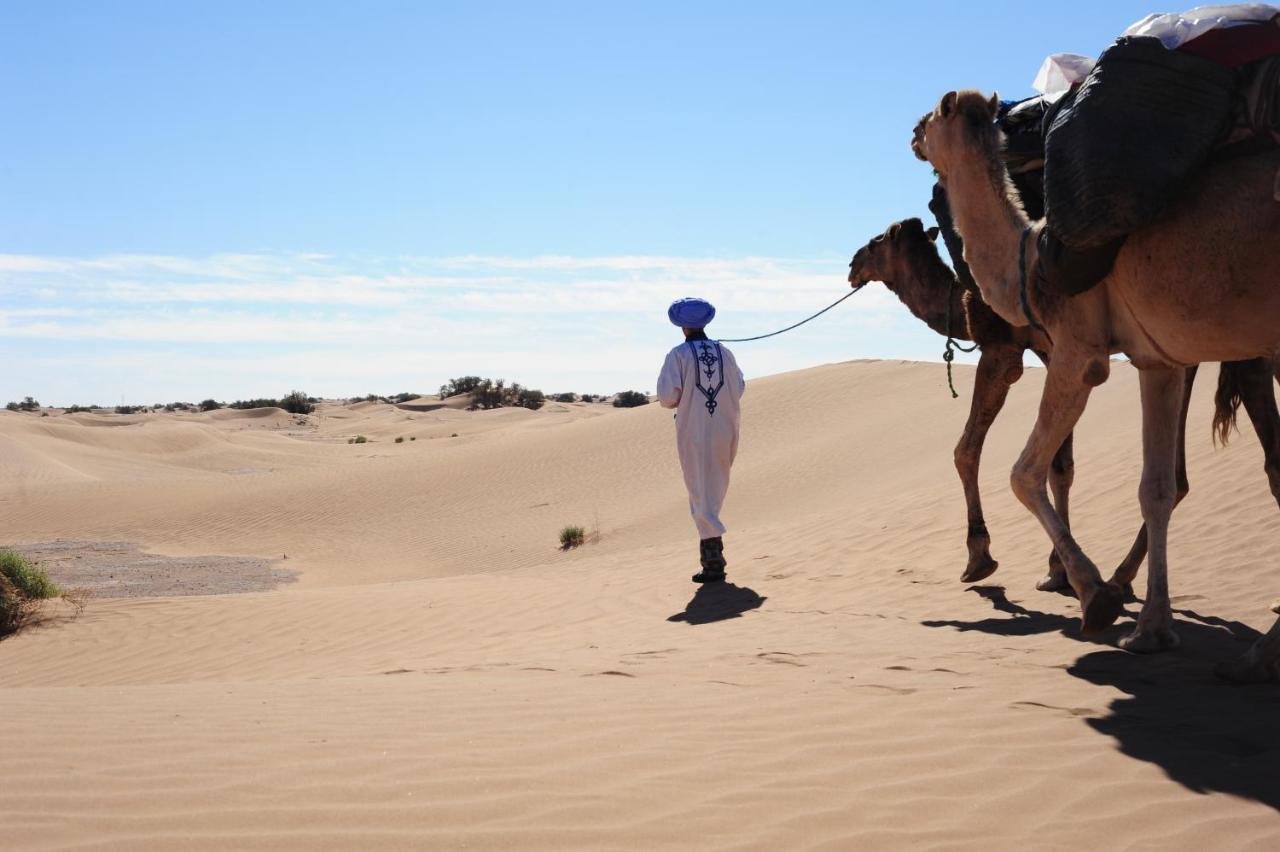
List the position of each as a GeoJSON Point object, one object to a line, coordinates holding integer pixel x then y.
{"type": "Point", "coordinates": [926, 285]}
{"type": "Point", "coordinates": [991, 225]}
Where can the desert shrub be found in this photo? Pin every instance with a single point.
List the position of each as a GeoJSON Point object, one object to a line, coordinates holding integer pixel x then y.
{"type": "Point", "coordinates": [572, 537]}
{"type": "Point", "coordinates": [11, 406]}
{"type": "Point", "coordinates": [27, 404]}
{"type": "Point", "coordinates": [464, 384]}
{"type": "Point", "coordinates": [530, 398]}
{"type": "Point", "coordinates": [413, 437]}
{"type": "Point", "coordinates": [564, 397]}
{"type": "Point", "coordinates": [400, 440]}
{"type": "Point", "coordinates": [588, 397]}
{"type": "Point", "coordinates": [630, 399]}
{"type": "Point", "coordinates": [358, 439]}
{"type": "Point", "coordinates": [246, 404]}
{"type": "Point", "coordinates": [22, 585]}
{"type": "Point", "coordinates": [128, 409]}
{"type": "Point", "coordinates": [454, 435]}
{"type": "Point", "coordinates": [296, 402]}
{"type": "Point", "coordinates": [210, 405]}
{"type": "Point", "coordinates": [405, 397]}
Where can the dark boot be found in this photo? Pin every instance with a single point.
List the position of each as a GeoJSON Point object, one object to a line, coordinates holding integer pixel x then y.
{"type": "Point", "coordinates": [711, 553]}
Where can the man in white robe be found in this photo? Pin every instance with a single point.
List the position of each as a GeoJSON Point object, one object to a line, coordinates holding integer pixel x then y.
{"type": "Point", "coordinates": [701, 380]}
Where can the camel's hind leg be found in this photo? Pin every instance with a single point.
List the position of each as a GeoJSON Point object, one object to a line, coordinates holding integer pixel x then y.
{"type": "Point", "coordinates": [1259, 397]}
{"type": "Point", "coordinates": [1062, 473]}
{"type": "Point", "coordinates": [1162, 391]}
{"type": "Point", "coordinates": [1072, 374]}
{"type": "Point", "coordinates": [1128, 569]}
{"type": "Point", "coordinates": [998, 368]}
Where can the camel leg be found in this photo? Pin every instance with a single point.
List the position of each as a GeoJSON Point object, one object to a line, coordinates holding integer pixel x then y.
{"type": "Point", "coordinates": [998, 368]}
{"type": "Point", "coordinates": [1260, 664]}
{"type": "Point", "coordinates": [1128, 569]}
{"type": "Point", "coordinates": [1162, 391]}
{"type": "Point", "coordinates": [1259, 397]}
{"type": "Point", "coordinates": [1071, 376]}
{"type": "Point", "coordinates": [1062, 473]}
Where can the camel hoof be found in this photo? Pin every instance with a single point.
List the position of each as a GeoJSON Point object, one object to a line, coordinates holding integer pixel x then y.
{"type": "Point", "coordinates": [1055, 582]}
{"type": "Point", "coordinates": [1102, 609]}
{"type": "Point", "coordinates": [1150, 641]}
{"type": "Point", "coordinates": [1245, 671]}
{"type": "Point", "coordinates": [979, 570]}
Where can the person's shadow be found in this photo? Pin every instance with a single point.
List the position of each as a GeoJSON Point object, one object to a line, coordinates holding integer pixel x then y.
{"type": "Point", "coordinates": [1204, 733]}
{"type": "Point", "coordinates": [717, 602]}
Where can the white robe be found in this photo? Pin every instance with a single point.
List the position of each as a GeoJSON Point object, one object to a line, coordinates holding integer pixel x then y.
{"type": "Point", "coordinates": [701, 380]}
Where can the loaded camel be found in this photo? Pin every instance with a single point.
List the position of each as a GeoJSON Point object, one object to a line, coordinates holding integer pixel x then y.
{"type": "Point", "coordinates": [1200, 284]}
{"type": "Point", "coordinates": [906, 260]}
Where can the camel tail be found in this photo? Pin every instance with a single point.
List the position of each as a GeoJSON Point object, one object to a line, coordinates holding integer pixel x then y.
{"type": "Point", "coordinates": [1226, 402]}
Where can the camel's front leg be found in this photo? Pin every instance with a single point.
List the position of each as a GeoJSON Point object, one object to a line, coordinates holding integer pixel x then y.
{"type": "Point", "coordinates": [998, 368]}
{"type": "Point", "coordinates": [1071, 376]}
{"type": "Point", "coordinates": [1128, 569]}
{"type": "Point", "coordinates": [1162, 391]}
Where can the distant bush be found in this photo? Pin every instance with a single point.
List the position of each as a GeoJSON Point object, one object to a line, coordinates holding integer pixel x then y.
{"type": "Point", "coordinates": [358, 439]}
{"type": "Point", "coordinates": [565, 397]}
{"type": "Point", "coordinates": [413, 437]}
{"type": "Point", "coordinates": [400, 440]}
{"type": "Point", "coordinates": [489, 394]}
{"type": "Point", "coordinates": [27, 404]}
{"type": "Point", "coordinates": [589, 397]}
{"type": "Point", "coordinates": [246, 404]}
{"type": "Point", "coordinates": [405, 397]}
{"type": "Point", "coordinates": [210, 405]}
{"type": "Point", "coordinates": [76, 409]}
{"type": "Point", "coordinates": [630, 399]}
{"type": "Point", "coordinates": [529, 398]}
{"type": "Point", "coordinates": [128, 409]}
{"type": "Point", "coordinates": [22, 586]}
{"type": "Point", "coordinates": [296, 402]}
{"type": "Point", "coordinates": [465, 384]}
{"type": "Point", "coordinates": [572, 537]}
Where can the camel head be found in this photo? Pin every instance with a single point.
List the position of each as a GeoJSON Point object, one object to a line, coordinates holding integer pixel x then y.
{"type": "Point", "coordinates": [880, 259]}
{"type": "Point", "coordinates": [962, 122]}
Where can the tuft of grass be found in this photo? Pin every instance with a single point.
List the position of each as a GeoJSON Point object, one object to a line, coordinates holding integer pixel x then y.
{"type": "Point", "coordinates": [571, 537]}
{"type": "Point", "coordinates": [358, 439]}
{"type": "Point", "coordinates": [22, 586]}
{"type": "Point", "coordinates": [400, 440]}
{"type": "Point", "coordinates": [28, 578]}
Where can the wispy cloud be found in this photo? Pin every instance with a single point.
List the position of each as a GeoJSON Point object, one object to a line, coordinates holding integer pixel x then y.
{"type": "Point", "coordinates": [456, 313]}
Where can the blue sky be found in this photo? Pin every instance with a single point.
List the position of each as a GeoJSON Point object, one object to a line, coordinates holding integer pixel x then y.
{"type": "Point", "coordinates": [235, 199]}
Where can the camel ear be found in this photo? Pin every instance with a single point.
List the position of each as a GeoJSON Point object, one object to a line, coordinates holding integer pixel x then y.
{"type": "Point", "coordinates": [932, 234]}
{"type": "Point", "coordinates": [947, 106]}
{"type": "Point", "coordinates": [994, 103]}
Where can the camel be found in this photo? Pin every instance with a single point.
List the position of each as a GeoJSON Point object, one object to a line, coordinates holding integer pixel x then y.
{"type": "Point", "coordinates": [906, 259]}
{"type": "Point", "coordinates": [1200, 284]}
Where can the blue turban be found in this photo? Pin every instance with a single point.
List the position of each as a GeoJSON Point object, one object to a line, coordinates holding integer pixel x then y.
{"type": "Point", "coordinates": [691, 313]}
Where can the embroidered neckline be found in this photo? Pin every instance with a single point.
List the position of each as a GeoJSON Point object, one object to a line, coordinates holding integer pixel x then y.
{"type": "Point", "coordinates": [702, 354]}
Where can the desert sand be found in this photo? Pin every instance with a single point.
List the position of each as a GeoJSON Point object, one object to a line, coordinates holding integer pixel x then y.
{"type": "Point", "coordinates": [428, 669]}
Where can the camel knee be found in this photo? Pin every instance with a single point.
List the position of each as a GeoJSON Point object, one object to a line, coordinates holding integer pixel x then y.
{"type": "Point", "coordinates": [966, 459]}
{"type": "Point", "coordinates": [1097, 371]}
{"type": "Point", "coordinates": [1027, 483]}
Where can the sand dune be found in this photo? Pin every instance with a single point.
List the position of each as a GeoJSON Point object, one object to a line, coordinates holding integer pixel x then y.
{"type": "Point", "coordinates": [442, 675]}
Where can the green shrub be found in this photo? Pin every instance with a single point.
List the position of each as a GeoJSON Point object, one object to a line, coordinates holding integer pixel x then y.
{"type": "Point", "coordinates": [26, 576]}
{"type": "Point", "coordinates": [297, 402]}
{"type": "Point", "coordinates": [630, 399]}
{"type": "Point", "coordinates": [210, 405]}
{"type": "Point", "coordinates": [27, 404]}
{"type": "Point", "coordinates": [22, 586]}
{"type": "Point", "coordinates": [128, 409]}
{"type": "Point", "coordinates": [246, 404]}
{"type": "Point", "coordinates": [464, 384]}
{"type": "Point", "coordinates": [572, 537]}
{"type": "Point", "coordinates": [565, 397]}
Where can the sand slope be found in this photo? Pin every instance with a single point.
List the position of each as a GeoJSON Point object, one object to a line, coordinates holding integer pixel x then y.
{"type": "Point", "coordinates": [441, 675]}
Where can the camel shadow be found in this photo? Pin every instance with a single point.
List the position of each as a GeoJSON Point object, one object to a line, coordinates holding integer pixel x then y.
{"type": "Point", "coordinates": [1204, 733]}
{"type": "Point", "coordinates": [718, 602]}
{"type": "Point", "coordinates": [1024, 622]}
